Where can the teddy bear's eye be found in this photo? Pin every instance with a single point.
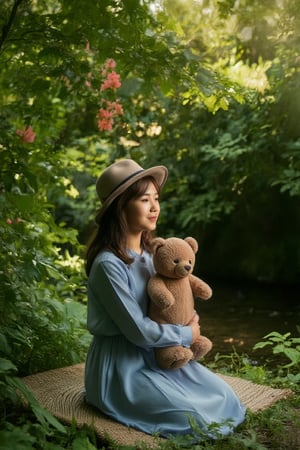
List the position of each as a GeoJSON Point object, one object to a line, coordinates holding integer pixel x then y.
{"type": "Point", "coordinates": [190, 261]}
{"type": "Point", "coordinates": [176, 260]}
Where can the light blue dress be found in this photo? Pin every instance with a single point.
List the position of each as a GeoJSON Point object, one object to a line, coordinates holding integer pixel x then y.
{"type": "Point", "coordinates": [121, 376]}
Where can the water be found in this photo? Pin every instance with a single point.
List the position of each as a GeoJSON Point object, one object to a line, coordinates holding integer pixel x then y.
{"type": "Point", "coordinates": [238, 317]}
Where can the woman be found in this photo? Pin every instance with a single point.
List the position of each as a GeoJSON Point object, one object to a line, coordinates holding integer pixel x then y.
{"type": "Point", "coordinates": [121, 376]}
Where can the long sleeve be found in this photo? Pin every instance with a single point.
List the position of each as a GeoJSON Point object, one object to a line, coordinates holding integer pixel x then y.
{"type": "Point", "coordinates": [118, 305]}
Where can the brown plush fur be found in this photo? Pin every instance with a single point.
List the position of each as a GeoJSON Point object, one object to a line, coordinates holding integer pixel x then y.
{"type": "Point", "coordinates": [172, 291]}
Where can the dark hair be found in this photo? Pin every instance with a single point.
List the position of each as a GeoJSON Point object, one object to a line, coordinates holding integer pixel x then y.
{"type": "Point", "coordinates": [111, 229]}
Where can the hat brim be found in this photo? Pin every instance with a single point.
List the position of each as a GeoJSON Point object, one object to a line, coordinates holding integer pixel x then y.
{"type": "Point", "coordinates": [159, 173]}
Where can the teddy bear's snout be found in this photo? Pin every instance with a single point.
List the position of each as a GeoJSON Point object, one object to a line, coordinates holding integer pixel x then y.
{"type": "Point", "coordinates": [182, 270]}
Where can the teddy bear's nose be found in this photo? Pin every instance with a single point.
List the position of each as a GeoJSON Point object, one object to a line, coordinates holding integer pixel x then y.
{"type": "Point", "coordinates": [187, 268]}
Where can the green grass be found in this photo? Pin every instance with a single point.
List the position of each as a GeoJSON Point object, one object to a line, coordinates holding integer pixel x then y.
{"type": "Point", "coordinates": [277, 428]}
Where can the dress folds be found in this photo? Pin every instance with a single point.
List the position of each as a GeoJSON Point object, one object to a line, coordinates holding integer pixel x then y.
{"type": "Point", "coordinates": [121, 375]}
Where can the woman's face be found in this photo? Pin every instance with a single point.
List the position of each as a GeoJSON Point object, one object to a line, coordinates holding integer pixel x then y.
{"type": "Point", "coordinates": [142, 212]}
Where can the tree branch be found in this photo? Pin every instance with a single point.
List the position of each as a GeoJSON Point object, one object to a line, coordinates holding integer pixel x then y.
{"type": "Point", "coordinates": [6, 27]}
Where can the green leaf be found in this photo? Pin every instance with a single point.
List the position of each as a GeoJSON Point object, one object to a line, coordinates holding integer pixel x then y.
{"type": "Point", "coordinates": [83, 443]}
{"type": "Point", "coordinates": [7, 366]}
{"type": "Point", "coordinates": [16, 438]}
{"type": "Point", "coordinates": [4, 346]}
{"type": "Point", "coordinates": [277, 337]}
{"type": "Point", "coordinates": [293, 355]}
{"type": "Point", "coordinates": [261, 345]}
{"type": "Point", "coordinates": [294, 378]}
{"type": "Point", "coordinates": [23, 202]}
{"type": "Point", "coordinates": [42, 415]}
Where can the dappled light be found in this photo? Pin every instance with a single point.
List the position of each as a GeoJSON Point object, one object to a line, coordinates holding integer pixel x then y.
{"type": "Point", "coordinates": [211, 90]}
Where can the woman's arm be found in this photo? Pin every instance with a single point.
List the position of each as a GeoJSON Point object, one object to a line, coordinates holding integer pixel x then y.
{"type": "Point", "coordinates": [110, 291]}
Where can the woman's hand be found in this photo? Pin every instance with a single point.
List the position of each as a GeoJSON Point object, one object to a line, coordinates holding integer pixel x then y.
{"type": "Point", "coordinates": [194, 324]}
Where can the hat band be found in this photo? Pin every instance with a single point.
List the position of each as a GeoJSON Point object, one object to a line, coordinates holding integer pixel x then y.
{"type": "Point", "coordinates": [123, 182]}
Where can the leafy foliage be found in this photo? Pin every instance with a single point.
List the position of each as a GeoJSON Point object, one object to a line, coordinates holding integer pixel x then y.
{"type": "Point", "coordinates": [287, 347]}
{"type": "Point", "coordinates": [210, 89]}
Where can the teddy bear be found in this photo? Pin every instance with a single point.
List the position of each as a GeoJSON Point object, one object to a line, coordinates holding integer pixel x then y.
{"type": "Point", "coordinates": [172, 290]}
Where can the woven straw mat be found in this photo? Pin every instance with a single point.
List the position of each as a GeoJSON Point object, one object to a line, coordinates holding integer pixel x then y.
{"type": "Point", "coordinates": [61, 391]}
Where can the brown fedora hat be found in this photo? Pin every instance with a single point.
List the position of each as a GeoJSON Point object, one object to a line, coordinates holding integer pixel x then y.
{"type": "Point", "coordinates": [116, 178]}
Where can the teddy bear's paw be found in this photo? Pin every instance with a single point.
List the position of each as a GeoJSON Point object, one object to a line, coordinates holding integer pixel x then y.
{"type": "Point", "coordinates": [205, 292]}
{"type": "Point", "coordinates": [181, 358]}
{"type": "Point", "coordinates": [201, 347]}
{"type": "Point", "coordinates": [164, 301]}
{"type": "Point", "coordinates": [174, 358]}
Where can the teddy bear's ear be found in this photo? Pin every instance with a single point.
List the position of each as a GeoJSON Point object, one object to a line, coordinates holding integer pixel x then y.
{"type": "Point", "coordinates": [193, 243]}
{"type": "Point", "coordinates": [156, 243]}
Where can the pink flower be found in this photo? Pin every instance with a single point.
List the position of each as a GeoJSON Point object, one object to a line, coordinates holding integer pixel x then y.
{"type": "Point", "coordinates": [115, 107]}
{"type": "Point", "coordinates": [104, 114]}
{"type": "Point", "coordinates": [106, 119]}
{"type": "Point", "coordinates": [27, 135]}
{"type": "Point", "coordinates": [105, 124]}
{"type": "Point", "coordinates": [112, 81]}
{"type": "Point", "coordinates": [10, 221]}
{"type": "Point", "coordinates": [109, 109]}
{"type": "Point", "coordinates": [110, 63]}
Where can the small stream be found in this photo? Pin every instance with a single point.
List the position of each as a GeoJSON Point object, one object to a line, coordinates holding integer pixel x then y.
{"type": "Point", "coordinates": [237, 317]}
